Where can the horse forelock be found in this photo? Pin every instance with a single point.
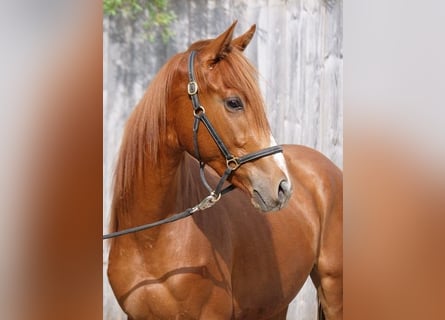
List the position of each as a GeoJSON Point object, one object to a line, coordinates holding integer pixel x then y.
{"type": "Point", "coordinates": [236, 72]}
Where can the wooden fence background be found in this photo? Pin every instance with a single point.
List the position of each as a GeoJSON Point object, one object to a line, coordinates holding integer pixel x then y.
{"type": "Point", "coordinates": [297, 50]}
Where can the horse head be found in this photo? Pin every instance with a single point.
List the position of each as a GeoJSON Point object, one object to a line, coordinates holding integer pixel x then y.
{"type": "Point", "coordinates": [230, 97]}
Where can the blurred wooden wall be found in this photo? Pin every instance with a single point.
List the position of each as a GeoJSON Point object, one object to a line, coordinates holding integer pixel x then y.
{"type": "Point", "coordinates": [297, 50]}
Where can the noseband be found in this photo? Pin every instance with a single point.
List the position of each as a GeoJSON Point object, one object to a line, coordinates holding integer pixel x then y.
{"type": "Point", "coordinates": [232, 162]}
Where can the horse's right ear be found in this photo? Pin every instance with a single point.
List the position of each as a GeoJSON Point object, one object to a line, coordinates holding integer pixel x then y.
{"type": "Point", "coordinates": [243, 40]}
{"type": "Point", "coordinates": [218, 48]}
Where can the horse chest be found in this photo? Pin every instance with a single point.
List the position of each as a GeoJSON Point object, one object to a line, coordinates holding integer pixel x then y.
{"type": "Point", "coordinates": [271, 264]}
{"type": "Point", "coordinates": [165, 282]}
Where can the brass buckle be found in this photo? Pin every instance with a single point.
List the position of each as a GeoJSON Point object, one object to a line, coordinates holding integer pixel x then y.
{"type": "Point", "coordinates": [192, 88]}
{"type": "Point", "coordinates": [233, 163]}
{"type": "Point", "coordinates": [198, 111]}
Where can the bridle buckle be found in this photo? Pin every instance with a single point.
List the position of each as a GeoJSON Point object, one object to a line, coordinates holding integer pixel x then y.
{"type": "Point", "coordinates": [233, 163]}
{"type": "Point", "coordinates": [198, 111]}
{"type": "Point", "coordinates": [192, 88]}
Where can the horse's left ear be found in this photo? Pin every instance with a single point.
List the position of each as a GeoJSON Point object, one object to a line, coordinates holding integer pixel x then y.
{"type": "Point", "coordinates": [219, 47]}
{"type": "Point", "coordinates": [242, 41]}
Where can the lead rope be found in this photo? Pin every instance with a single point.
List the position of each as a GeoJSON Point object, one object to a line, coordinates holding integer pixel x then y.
{"type": "Point", "coordinates": [206, 203]}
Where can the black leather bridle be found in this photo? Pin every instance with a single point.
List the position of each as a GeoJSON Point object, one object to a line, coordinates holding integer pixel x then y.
{"type": "Point", "coordinates": [232, 162]}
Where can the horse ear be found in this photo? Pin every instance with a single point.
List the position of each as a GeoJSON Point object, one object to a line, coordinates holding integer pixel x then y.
{"type": "Point", "coordinates": [242, 41]}
{"type": "Point", "coordinates": [219, 47]}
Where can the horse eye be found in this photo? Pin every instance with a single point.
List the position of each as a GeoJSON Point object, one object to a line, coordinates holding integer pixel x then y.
{"type": "Point", "coordinates": [234, 104]}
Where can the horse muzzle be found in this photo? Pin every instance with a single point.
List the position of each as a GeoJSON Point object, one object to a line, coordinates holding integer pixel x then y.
{"type": "Point", "coordinates": [269, 197]}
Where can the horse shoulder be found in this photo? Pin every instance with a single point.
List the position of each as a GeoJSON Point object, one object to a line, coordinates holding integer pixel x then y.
{"type": "Point", "coordinates": [322, 180]}
{"type": "Point", "coordinates": [316, 173]}
{"type": "Point", "coordinates": [325, 183]}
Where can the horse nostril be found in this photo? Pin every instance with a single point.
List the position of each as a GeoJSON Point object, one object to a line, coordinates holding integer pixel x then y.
{"type": "Point", "coordinates": [283, 190]}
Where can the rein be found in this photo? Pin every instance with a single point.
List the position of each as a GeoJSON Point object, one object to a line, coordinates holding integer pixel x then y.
{"type": "Point", "coordinates": [232, 162]}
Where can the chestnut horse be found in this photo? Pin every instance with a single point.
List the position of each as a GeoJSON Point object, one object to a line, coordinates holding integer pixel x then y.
{"type": "Point", "coordinates": [248, 255]}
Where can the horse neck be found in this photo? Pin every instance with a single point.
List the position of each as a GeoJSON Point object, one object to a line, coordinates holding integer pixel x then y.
{"type": "Point", "coordinates": [170, 186]}
{"type": "Point", "coordinates": [155, 192]}
{"type": "Point", "coordinates": [151, 185]}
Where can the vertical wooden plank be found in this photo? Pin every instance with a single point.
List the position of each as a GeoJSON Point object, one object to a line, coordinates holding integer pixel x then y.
{"type": "Point", "coordinates": [198, 17]}
{"type": "Point", "coordinates": [181, 35]}
{"type": "Point", "coordinates": [219, 17]}
{"type": "Point", "coordinates": [290, 121]}
{"type": "Point", "coordinates": [250, 17]}
{"type": "Point", "coordinates": [331, 101]}
{"type": "Point", "coordinates": [310, 81]}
